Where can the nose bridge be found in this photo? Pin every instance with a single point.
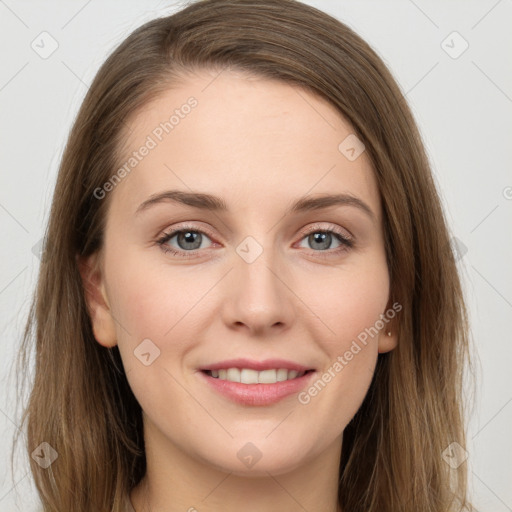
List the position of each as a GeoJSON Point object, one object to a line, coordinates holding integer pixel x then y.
{"type": "Point", "coordinates": [259, 297]}
{"type": "Point", "coordinates": [258, 282]}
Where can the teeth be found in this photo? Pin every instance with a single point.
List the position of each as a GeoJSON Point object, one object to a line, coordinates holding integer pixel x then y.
{"type": "Point", "coordinates": [282, 374]}
{"type": "Point", "coordinates": [248, 376]}
{"type": "Point", "coordinates": [267, 377]}
{"type": "Point", "coordinates": [233, 374]}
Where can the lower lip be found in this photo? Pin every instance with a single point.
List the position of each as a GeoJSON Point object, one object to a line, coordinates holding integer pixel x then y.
{"type": "Point", "coordinates": [257, 394]}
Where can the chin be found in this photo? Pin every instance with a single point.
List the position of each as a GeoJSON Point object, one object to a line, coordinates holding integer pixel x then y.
{"type": "Point", "coordinates": [248, 460]}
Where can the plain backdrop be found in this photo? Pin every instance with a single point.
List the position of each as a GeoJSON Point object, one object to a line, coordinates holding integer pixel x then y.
{"type": "Point", "coordinates": [452, 61]}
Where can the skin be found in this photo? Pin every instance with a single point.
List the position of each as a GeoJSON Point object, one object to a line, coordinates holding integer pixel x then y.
{"type": "Point", "coordinates": [260, 145]}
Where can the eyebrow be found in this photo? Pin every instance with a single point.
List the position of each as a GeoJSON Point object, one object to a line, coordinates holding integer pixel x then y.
{"type": "Point", "coordinates": [217, 204]}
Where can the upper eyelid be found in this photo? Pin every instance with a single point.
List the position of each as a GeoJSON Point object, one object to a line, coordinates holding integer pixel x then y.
{"type": "Point", "coordinates": [174, 231]}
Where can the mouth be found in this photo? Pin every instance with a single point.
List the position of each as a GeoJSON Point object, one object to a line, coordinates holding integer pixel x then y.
{"type": "Point", "coordinates": [256, 383]}
{"type": "Point", "coordinates": [251, 376]}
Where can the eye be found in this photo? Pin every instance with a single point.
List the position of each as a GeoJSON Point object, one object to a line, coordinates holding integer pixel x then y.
{"type": "Point", "coordinates": [320, 240]}
{"type": "Point", "coordinates": [188, 239]}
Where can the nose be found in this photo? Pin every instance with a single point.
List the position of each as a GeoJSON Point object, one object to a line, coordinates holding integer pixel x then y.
{"type": "Point", "coordinates": [258, 298]}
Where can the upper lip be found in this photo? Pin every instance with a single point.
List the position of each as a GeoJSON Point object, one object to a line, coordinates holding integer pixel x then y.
{"type": "Point", "coordinates": [251, 364]}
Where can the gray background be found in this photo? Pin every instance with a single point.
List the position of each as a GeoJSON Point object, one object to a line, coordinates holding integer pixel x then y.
{"type": "Point", "coordinates": [463, 105]}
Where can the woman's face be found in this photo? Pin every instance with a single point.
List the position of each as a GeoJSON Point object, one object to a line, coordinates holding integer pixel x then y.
{"type": "Point", "coordinates": [250, 277]}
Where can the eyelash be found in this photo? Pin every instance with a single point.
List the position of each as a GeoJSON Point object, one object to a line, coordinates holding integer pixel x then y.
{"type": "Point", "coordinates": [346, 242]}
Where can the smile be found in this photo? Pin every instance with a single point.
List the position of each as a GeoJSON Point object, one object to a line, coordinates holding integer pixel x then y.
{"type": "Point", "coordinates": [251, 393]}
{"type": "Point", "coordinates": [249, 376]}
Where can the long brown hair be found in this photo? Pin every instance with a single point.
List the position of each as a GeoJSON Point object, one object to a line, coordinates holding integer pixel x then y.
{"type": "Point", "coordinates": [80, 401]}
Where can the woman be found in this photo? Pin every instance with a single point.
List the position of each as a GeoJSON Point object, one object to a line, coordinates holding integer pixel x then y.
{"type": "Point", "coordinates": [258, 371]}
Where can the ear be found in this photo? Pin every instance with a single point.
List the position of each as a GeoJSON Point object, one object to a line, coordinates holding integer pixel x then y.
{"type": "Point", "coordinates": [388, 343]}
{"type": "Point", "coordinates": [102, 320]}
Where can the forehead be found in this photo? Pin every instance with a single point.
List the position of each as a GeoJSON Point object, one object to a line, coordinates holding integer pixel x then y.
{"type": "Point", "coordinates": [244, 138]}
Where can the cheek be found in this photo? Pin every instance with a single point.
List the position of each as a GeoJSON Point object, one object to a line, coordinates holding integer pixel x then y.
{"type": "Point", "coordinates": [150, 298]}
{"type": "Point", "coordinates": [142, 305]}
{"type": "Point", "coordinates": [152, 319]}
{"type": "Point", "coordinates": [349, 309]}
{"type": "Point", "coordinates": [349, 304]}
{"type": "Point", "coordinates": [351, 355]}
